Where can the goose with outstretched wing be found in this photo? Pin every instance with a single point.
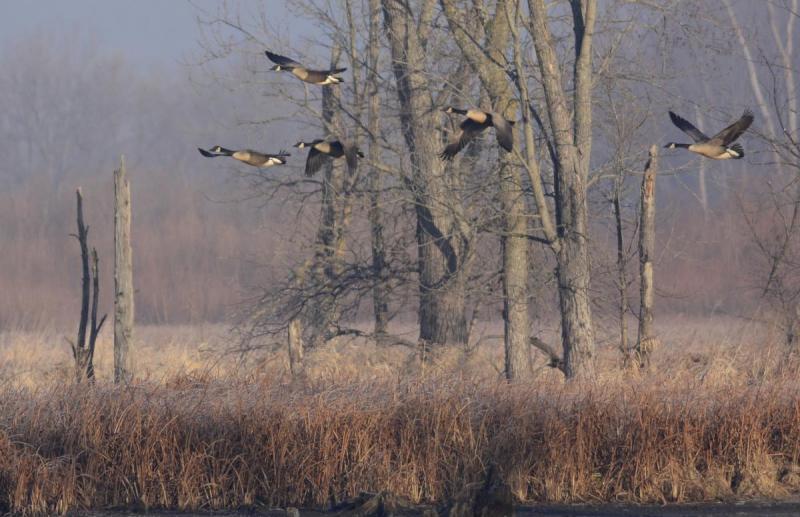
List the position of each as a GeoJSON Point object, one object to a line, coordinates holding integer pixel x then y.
{"type": "Point", "coordinates": [719, 146]}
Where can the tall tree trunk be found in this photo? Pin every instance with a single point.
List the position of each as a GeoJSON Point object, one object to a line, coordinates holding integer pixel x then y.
{"type": "Point", "coordinates": [123, 276]}
{"type": "Point", "coordinates": [647, 240]}
{"type": "Point", "coordinates": [572, 138]}
{"type": "Point", "coordinates": [442, 240]}
{"type": "Point", "coordinates": [380, 302]}
{"type": "Point", "coordinates": [622, 263]}
{"type": "Point", "coordinates": [577, 333]}
{"type": "Point", "coordinates": [516, 333]}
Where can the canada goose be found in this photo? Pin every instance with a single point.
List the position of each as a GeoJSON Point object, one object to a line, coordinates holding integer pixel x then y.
{"type": "Point", "coordinates": [322, 151]}
{"type": "Point", "coordinates": [247, 156]}
{"type": "Point", "coordinates": [718, 146]}
{"type": "Point", "coordinates": [321, 77]}
{"type": "Point", "coordinates": [476, 122]}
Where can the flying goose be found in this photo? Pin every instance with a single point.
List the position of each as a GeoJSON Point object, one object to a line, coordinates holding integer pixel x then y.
{"type": "Point", "coordinates": [321, 77]}
{"type": "Point", "coordinates": [247, 156]}
{"type": "Point", "coordinates": [322, 151]}
{"type": "Point", "coordinates": [474, 124]}
{"type": "Point", "coordinates": [718, 147]}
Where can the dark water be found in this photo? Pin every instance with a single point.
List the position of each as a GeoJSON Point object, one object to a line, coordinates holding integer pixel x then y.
{"type": "Point", "coordinates": [699, 510]}
{"type": "Point", "coordinates": [694, 510]}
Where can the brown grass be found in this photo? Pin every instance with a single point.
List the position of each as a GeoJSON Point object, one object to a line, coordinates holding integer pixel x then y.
{"type": "Point", "coordinates": [715, 423]}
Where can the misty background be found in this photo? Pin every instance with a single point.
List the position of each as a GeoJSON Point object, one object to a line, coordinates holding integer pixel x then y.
{"type": "Point", "coordinates": [84, 82]}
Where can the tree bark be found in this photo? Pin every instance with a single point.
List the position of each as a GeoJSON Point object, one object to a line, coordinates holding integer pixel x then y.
{"type": "Point", "coordinates": [380, 302]}
{"type": "Point", "coordinates": [442, 241]}
{"type": "Point", "coordinates": [572, 142]}
{"type": "Point", "coordinates": [622, 263]}
{"type": "Point", "coordinates": [94, 328]}
{"type": "Point", "coordinates": [123, 277]}
{"type": "Point", "coordinates": [79, 350]}
{"type": "Point", "coordinates": [647, 213]}
{"type": "Point", "coordinates": [86, 279]}
{"type": "Point", "coordinates": [295, 346]}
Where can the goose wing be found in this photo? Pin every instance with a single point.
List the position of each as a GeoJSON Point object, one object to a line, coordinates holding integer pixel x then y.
{"type": "Point", "coordinates": [315, 161]}
{"type": "Point", "coordinates": [281, 60]}
{"type": "Point", "coordinates": [503, 131]}
{"type": "Point", "coordinates": [469, 129]}
{"type": "Point", "coordinates": [735, 130]}
{"type": "Point", "coordinates": [351, 156]}
{"type": "Point", "coordinates": [687, 127]}
{"type": "Point", "coordinates": [208, 154]}
{"type": "Point", "coordinates": [326, 73]}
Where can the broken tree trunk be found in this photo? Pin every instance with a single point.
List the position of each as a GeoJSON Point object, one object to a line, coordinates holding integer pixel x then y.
{"type": "Point", "coordinates": [83, 353]}
{"type": "Point", "coordinates": [123, 276]}
{"type": "Point", "coordinates": [82, 236]}
{"type": "Point", "coordinates": [647, 239]}
{"type": "Point", "coordinates": [94, 327]}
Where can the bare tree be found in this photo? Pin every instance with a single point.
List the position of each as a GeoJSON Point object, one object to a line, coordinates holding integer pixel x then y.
{"type": "Point", "coordinates": [622, 264]}
{"type": "Point", "coordinates": [486, 56]}
{"type": "Point", "coordinates": [570, 150]}
{"type": "Point", "coordinates": [380, 302]}
{"type": "Point", "coordinates": [773, 214]}
{"type": "Point", "coordinates": [443, 237]}
{"type": "Point", "coordinates": [83, 352]}
{"type": "Point", "coordinates": [351, 258]}
{"type": "Point", "coordinates": [482, 57]}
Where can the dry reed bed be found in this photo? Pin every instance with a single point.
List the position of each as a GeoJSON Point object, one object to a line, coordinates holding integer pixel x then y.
{"type": "Point", "coordinates": [209, 444]}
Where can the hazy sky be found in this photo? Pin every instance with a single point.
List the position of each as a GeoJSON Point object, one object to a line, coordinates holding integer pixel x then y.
{"type": "Point", "coordinates": [155, 31]}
